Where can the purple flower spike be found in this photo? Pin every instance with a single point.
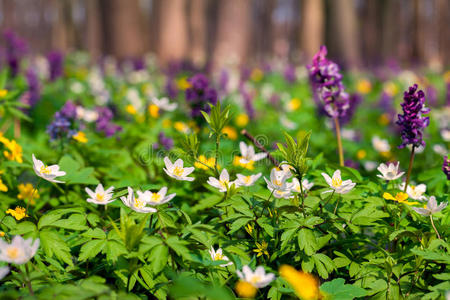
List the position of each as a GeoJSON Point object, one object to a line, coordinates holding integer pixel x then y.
{"type": "Point", "coordinates": [200, 94]}
{"type": "Point", "coordinates": [411, 122]}
{"type": "Point", "coordinates": [446, 167]}
{"type": "Point", "coordinates": [56, 63]}
{"type": "Point", "coordinates": [327, 85]}
{"type": "Point", "coordinates": [15, 50]}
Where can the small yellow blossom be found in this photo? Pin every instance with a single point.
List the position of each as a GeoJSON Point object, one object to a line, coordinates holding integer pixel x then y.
{"type": "Point", "coordinates": [131, 109]}
{"type": "Point", "coordinates": [15, 150]}
{"type": "Point", "coordinates": [183, 84]}
{"type": "Point", "coordinates": [249, 229]}
{"type": "Point", "coordinates": [153, 110]}
{"type": "Point", "coordinates": [3, 187]}
{"type": "Point", "coordinates": [245, 289]}
{"type": "Point", "coordinates": [167, 123]}
{"type": "Point", "coordinates": [193, 125]}
{"type": "Point", "coordinates": [294, 104]}
{"type": "Point", "coordinates": [384, 119]}
{"type": "Point", "coordinates": [305, 285]}
{"type": "Point", "coordinates": [364, 86]}
{"type": "Point", "coordinates": [205, 161]}
{"type": "Point", "coordinates": [261, 249]}
{"type": "Point", "coordinates": [19, 213]}
{"type": "Point", "coordinates": [3, 93]}
{"type": "Point", "coordinates": [2, 233]}
{"type": "Point", "coordinates": [242, 120]}
{"type": "Point", "coordinates": [181, 127]}
{"type": "Point", "coordinates": [400, 198]}
{"type": "Point", "coordinates": [28, 193]}
{"type": "Point", "coordinates": [386, 154]}
{"type": "Point", "coordinates": [361, 154]}
{"type": "Point", "coordinates": [257, 74]}
{"type": "Point", "coordinates": [80, 136]}
{"type": "Point", "coordinates": [230, 132]}
{"type": "Point", "coordinates": [248, 166]}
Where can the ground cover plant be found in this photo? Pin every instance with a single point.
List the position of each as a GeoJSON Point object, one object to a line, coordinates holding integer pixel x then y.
{"type": "Point", "coordinates": [126, 182]}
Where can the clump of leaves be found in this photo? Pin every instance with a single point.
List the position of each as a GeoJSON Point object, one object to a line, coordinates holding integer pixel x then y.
{"type": "Point", "coordinates": [294, 153]}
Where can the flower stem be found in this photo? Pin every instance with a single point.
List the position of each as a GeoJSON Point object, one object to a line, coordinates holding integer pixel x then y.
{"type": "Point", "coordinates": [411, 160]}
{"type": "Point", "coordinates": [337, 204]}
{"type": "Point", "coordinates": [339, 141]}
{"type": "Point", "coordinates": [30, 288]}
{"type": "Point", "coordinates": [217, 153]}
{"type": "Point", "coordinates": [434, 227]}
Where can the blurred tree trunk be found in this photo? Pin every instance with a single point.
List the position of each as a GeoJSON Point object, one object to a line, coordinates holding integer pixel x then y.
{"type": "Point", "coordinates": [346, 28]}
{"type": "Point", "coordinates": [198, 31]}
{"type": "Point", "coordinates": [63, 27]}
{"type": "Point", "coordinates": [312, 27]}
{"type": "Point", "coordinates": [123, 28]}
{"type": "Point", "coordinates": [172, 30]}
{"type": "Point", "coordinates": [94, 36]}
{"type": "Point", "coordinates": [233, 32]}
{"type": "Point", "coordinates": [443, 11]}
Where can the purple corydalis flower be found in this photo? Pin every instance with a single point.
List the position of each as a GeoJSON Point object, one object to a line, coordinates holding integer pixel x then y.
{"type": "Point", "coordinates": [447, 96]}
{"type": "Point", "coordinates": [411, 122]}
{"type": "Point", "coordinates": [15, 50]}
{"type": "Point", "coordinates": [200, 94]}
{"type": "Point", "coordinates": [34, 88]}
{"type": "Point", "coordinates": [55, 61]}
{"type": "Point", "coordinates": [327, 85]}
{"type": "Point", "coordinates": [69, 110]}
{"type": "Point", "coordinates": [63, 122]}
{"type": "Point", "coordinates": [104, 124]}
{"type": "Point", "coordinates": [163, 141]}
{"type": "Point", "coordinates": [446, 167]}
{"type": "Point", "coordinates": [248, 101]}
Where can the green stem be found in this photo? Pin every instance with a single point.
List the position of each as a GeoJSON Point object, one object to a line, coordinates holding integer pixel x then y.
{"type": "Point", "coordinates": [434, 227]}
{"type": "Point", "coordinates": [408, 175]}
{"type": "Point", "coordinates": [339, 141]}
{"type": "Point", "coordinates": [30, 288]}
{"type": "Point", "coordinates": [216, 156]}
{"type": "Point", "coordinates": [337, 204]}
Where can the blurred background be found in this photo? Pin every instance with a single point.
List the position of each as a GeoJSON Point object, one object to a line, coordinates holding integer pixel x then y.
{"type": "Point", "coordinates": [358, 33]}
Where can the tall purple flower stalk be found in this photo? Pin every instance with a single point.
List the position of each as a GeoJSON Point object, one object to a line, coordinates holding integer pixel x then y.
{"type": "Point", "coordinates": [163, 142]}
{"type": "Point", "coordinates": [56, 64]}
{"type": "Point", "coordinates": [411, 122]}
{"type": "Point", "coordinates": [200, 94]}
{"type": "Point", "coordinates": [32, 96]}
{"type": "Point", "coordinates": [104, 123]}
{"type": "Point", "coordinates": [15, 49]}
{"type": "Point", "coordinates": [446, 167]}
{"type": "Point", "coordinates": [326, 81]}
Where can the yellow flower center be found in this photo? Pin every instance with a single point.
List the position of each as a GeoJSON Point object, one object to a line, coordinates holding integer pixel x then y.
{"type": "Point", "coordinates": [100, 197]}
{"type": "Point", "coordinates": [139, 203]}
{"type": "Point", "coordinates": [247, 179]}
{"type": "Point", "coordinates": [218, 256]}
{"type": "Point", "coordinates": [12, 252]}
{"type": "Point", "coordinates": [155, 198]}
{"type": "Point", "coordinates": [255, 279]}
{"type": "Point", "coordinates": [177, 171]}
{"type": "Point", "coordinates": [224, 183]}
{"type": "Point", "coordinates": [336, 182]}
{"type": "Point", "coordinates": [277, 182]}
{"type": "Point", "coordinates": [45, 170]}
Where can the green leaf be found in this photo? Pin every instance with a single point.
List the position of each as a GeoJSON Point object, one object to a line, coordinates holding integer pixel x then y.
{"type": "Point", "coordinates": [75, 173]}
{"type": "Point", "coordinates": [91, 249]}
{"type": "Point", "coordinates": [96, 233]}
{"type": "Point", "coordinates": [54, 245]}
{"type": "Point", "coordinates": [24, 228]}
{"type": "Point", "coordinates": [307, 241]}
{"type": "Point", "coordinates": [114, 249]}
{"type": "Point", "coordinates": [160, 254]}
{"type": "Point", "coordinates": [338, 290]}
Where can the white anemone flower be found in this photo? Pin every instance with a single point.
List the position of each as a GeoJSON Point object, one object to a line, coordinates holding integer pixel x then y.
{"type": "Point", "coordinates": [258, 278]}
{"type": "Point", "coordinates": [336, 183]}
{"type": "Point", "coordinates": [306, 185]}
{"type": "Point", "coordinates": [138, 204]}
{"type": "Point", "coordinates": [49, 173]}
{"type": "Point", "coordinates": [159, 197]}
{"type": "Point", "coordinates": [248, 154]}
{"type": "Point", "coordinates": [20, 251]}
{"type": "Point", "coordinates": [223, 183]}
{"type": "Point", "coordinates": [176, 169]}
{"type": "Point", "coordinates": [278, 185]}
{"type": "Point", "coordinates": [164, 104]}
{"type": "Point", "coordinates": [380, 145]}
{"type": "Point", "coordinates": [3, 272]}
{"type": "Point", "coordinates": [431, 207]}
{"type": "Point", "coordinates": [218, 255]}
{"type": "Point", "coordinates": [100, 196]}
{"type": "Point", "coordinates": [243, 180]}
{"type": "Point", "coordinates": [415, 192]}
{"type": "Point", "coordinates": [389, 172]}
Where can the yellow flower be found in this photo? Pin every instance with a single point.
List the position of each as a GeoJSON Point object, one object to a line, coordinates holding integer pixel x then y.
{"type": "Point", "coordinates": [3, 187]}
{"type": "Point", "coordinates": [2, 234]}
{"type": "Point", "coordinates": [205, 161]}
{"type": "Point", "coordinates": [294, 104]}
{"type": "Point", "coordinates": [181, 127]}
{"type": "Point", "coordinates": [230, 132]}
{"type": "Point", "coordinates": [361, 154]}
{"type": "Point", "coordinates": [447, 76]}
{"type": "Point", "coordinates": [166, 123]}
{"type": "Point", "coordinates": [242, 120]}
{"type": "Point", "coordinates": [248, 166]}
{"type": "Point", "coordinates": [400, 198]}
{"type": "Point", "coordinates": [14, 148]}
{"type": "Point", "coordinates": [80, 136]}
{"type": "Point", "coordinates": [28, 193]}
{"type": "Point", "coordinates": [384, 119]}
{"type": "Point", "coordinates": [257, 74]}
{"type": "Point", "coordinates": [153, 110]}
{"type": "Point", "coordinates": [261, 249]}
{"type": "Point", "coordinates": [19, 213]}
{"type": "Point", "coordinates": [3, 93]}
{"type": "Point", "coordinates": [391, 88]}
{"type": "Point", "coordinates": [131, 109]}
{"type": "Point", "coordinates": [364, 86]}
{"type": "Point", "coordinates": [183, 84]}
{"type": "Point", "coordinates": [245, 289]}
{"type": "Point", "coordinates": [305, 285]}
{"type": "Point", "coordinates": [249, 229]}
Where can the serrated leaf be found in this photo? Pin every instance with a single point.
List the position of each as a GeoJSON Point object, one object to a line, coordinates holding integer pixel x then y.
{"type": "Point", "coordinates": [91, 249]}
{"type": "Point", "coordinates": [338, 290]}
